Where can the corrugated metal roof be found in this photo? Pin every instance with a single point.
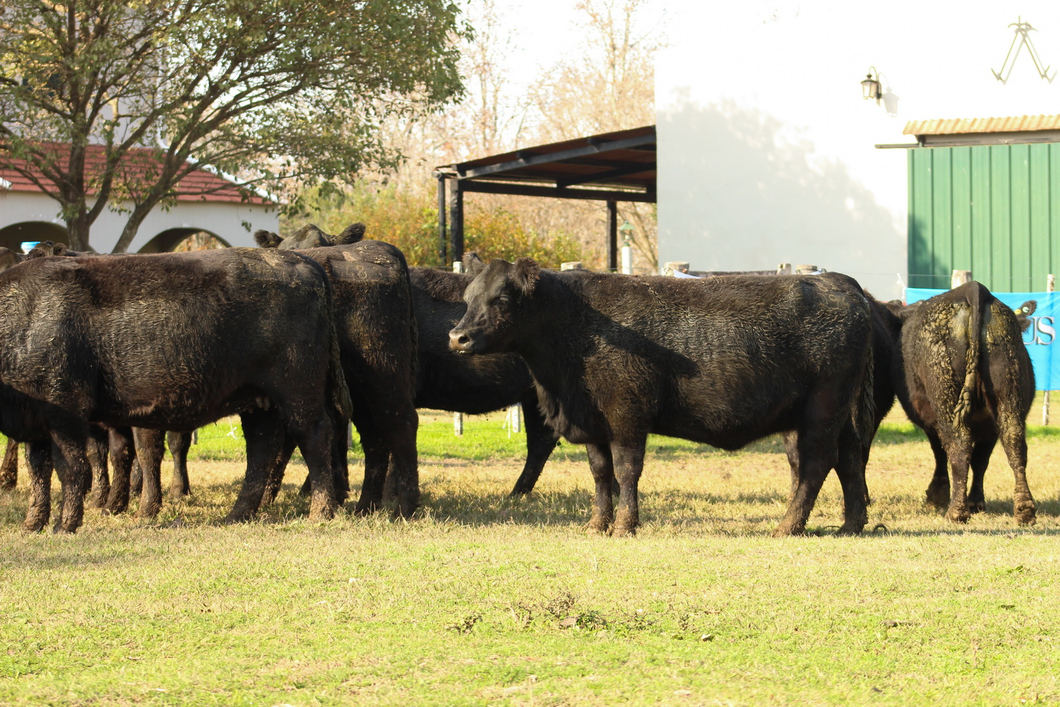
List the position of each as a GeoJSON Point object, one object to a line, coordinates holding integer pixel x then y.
{"type": "Point", "coordinates": [624, 159]}
{"type": "Point", "coordinates": [959, 126]}
{"type": "Point", "coordinates": [199, 185]}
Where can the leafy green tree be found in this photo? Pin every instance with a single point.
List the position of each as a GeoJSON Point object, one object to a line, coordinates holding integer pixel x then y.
{"type": "Point", "coordinates": [273, 91]}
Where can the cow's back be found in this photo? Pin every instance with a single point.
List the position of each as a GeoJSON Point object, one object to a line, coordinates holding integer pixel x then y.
{"type": "Point", "coordinates": [724, 360]}
{"type": "Point", "coordinates": [150, 337]}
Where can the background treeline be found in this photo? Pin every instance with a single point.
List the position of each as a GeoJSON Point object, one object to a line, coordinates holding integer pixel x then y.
{"type": "Point", "coordinates": [606, 84]}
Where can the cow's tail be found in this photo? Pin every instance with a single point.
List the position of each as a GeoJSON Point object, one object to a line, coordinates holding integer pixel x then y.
{"type": "Point", "coordinates": [864, 403]}
{"type": "Point", "coordinates": [340, 391]}
{"type": "Point", "coordinates": [971, 358]}
{"type": "Point", "coordinates": [336, 380]}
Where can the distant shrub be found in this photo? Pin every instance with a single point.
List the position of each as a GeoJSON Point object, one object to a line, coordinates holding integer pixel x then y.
{"type": "Point", "coordinates": [403, 219]}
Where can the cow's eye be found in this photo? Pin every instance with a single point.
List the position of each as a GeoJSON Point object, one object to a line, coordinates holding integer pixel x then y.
{"type": "Point", "coordinates": [504, 299]}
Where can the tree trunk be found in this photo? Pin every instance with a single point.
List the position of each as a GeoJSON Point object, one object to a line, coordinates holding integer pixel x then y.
{"type": "Point", "coordinates": [132, 227]}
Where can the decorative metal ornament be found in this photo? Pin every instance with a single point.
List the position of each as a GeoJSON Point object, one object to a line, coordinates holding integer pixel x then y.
{"type": "Point", "coordinates": [1023, 37]}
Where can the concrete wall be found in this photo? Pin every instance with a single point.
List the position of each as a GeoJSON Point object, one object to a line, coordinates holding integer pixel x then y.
{"type": "Point", "coordinates": [233, 223]}
{"type": "Point", "coordinates": [766, 148]}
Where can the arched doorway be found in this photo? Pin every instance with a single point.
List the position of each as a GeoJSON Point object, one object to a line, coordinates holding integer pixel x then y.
{"type": "Point", "coordinates": [15, 235]}
{"type": "Point", "coordinates": [183, 239]}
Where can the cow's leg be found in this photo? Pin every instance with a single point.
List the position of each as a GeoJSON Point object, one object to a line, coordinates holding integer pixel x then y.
{"type": "Point", "coordinates": [97, 457]}
{"type": "Point", "coordinates": [136, 475]}
{"type": "Point", "coordinates": [540, 441]}
{"type": "Point", "coordinates": [179, 444]}
{"type": "Point", "coordinates": [39, 460]}
{"type": "Point", "coordinates": [602, 467]}
{"type": "Point", "coordinates": [315, 441]}
{"type": "Point", "coordinates": [957, 442]}
{"type": "Point", "coordinates": [70, 440]}
{"type": "Point", "coordinates": [266, 440]}
{"type": "Point", "coordinates": [9, 467]}
{"type": "Point", "coordinates": [938, 491]}
{"type": "Point", "coordinates": [275, 470]}
{"type": "Point", "coordinates": [150, 447]}
{"type": "Point", "coordinates": [1012, 428]}
{"type": "Point", "coordinates": [403, 476]}
{"type": "Point", "coordinates": [121, 454]}
{"type": "Point", "coordinates": [629, 462]}
{"type": "Point", "coordinates": [376, 463]}
{"type": "Point", "coordinates": [818, 454]}
{"type": "Point", "coordinates": [791, 449]}
{"type": "Point", "coordinates": [851, 472]}
{"type": "Point", "coordinates": [981, 451]}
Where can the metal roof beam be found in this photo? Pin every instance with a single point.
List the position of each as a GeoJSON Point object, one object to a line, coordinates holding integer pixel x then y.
{"type": "Point", "coordinates": [594, 147]}
{"type": "Point", "coordinates": [558, 193]}
{"type": "Point", "coordinates": [603, 176]}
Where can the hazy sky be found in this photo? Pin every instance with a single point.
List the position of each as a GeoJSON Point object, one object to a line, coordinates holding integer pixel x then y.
{"type": "Point", "coordinates": [542, 31]}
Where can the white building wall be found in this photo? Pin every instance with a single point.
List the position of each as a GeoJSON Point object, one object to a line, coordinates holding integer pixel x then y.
{"type": "Point", "coordinates": [233, 223]}
{"type": "Point", "coordinates": [766, 148]}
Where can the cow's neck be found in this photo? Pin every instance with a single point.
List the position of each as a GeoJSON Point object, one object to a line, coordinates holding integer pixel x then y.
{"type": "Point", "coordinates": [553, 346]}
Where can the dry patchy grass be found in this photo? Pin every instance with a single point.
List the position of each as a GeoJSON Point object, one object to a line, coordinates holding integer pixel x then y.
{"type": "Point", "coordinates": [490, 600]}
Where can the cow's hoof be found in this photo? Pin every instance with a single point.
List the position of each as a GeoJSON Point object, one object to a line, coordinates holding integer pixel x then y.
{"type": "Point", "coordinates": [1025, 513]}
{"type": "Point", "coordinates": [976, 506]}
{"type": "Point", "coordinates": [938, 497]}
{"type": "Point", "coordinates": [599, 525]}
{"type": "Point", "coordinates": [34, 526]}
{"type": "Point", "coordinates": [322, 509]}
{"type": "Point", "coordinates": [623, 531]}
{"type": "Point", "coordinates": [365, 508]}
{"type": "Point", "coordinates": [235, 518]}
{"type": "Point", "coordinates": [848, 529]}
{"type": "Point", "coordinates": [785, 530]}
{"type": "Point", "coordinates": [150, 510]}
{"type": "Point", "coordinates": [958, 515]}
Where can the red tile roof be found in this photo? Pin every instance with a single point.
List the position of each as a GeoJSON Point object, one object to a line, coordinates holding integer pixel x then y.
{"type": "Point", "coordinates": [955, 126]}
{"type": "Point", "coordinates": [199, 185]}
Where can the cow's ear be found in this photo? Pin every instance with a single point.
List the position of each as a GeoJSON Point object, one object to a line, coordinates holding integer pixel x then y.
{"type": "Point", "coordinates": [267, 239]}
{"type": "Point", "coordinates": [1027, 308]}
{"type": "Point", "coordinates": [525, 273]}
{"type": "Point", "coordinates": [352, 234]}
{"type": "Point", "coordinates": [473, 264]}
{"type": "Point", "coordinates": [8, 258]}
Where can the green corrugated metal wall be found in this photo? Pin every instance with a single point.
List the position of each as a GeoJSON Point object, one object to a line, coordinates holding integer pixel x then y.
{"type": "Point", "coordinates": [988, 209]}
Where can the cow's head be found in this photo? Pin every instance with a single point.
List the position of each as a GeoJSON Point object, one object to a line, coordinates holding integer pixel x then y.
{"type": "Point", "coordinates": [1024, 312]}
{"type": "Point", "coordinates": [494, 300]}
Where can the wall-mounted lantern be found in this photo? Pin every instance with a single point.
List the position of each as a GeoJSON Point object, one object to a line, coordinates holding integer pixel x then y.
{"type": "Point", "coordinates": [870, 87]}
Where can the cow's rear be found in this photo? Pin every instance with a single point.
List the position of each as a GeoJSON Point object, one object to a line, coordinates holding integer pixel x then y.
{"type": "Point", "coordinates": [173, 341]}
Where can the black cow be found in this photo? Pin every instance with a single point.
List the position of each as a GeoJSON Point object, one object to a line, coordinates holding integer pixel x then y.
{"type": "Point", "coordinates": [101, 440]}
{"type": "Point", "coordinates": [966, 379]}
{"type": "Point", "coordinates": [97, 441]}
{"type": "Point", "coordinates": [472, 385]}
{"type": "Point", "coordinates": [171, 341]}
{"type": "Point", "coordinates": [377, 340]}
{"type": "Point", "coordinates": [723, 361]}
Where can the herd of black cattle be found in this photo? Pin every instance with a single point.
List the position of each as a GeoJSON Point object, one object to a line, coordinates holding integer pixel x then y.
{"type": "Point", "coordinates": [101, 355]}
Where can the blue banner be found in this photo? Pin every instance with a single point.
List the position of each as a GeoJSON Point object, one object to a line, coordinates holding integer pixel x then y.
{"type": "Point", "coordinates": [1039, 337]}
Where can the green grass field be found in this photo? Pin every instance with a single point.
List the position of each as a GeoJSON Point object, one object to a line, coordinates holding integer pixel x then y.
{"type": "Point", "coordinates": [491, 600]}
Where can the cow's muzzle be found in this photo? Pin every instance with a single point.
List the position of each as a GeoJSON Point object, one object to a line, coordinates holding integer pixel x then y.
{"type": "Point", "coordinates": [460, 341]}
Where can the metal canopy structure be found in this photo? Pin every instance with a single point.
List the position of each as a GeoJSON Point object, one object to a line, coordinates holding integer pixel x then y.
{"type": "Point", "coordinates": [610, 167]}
